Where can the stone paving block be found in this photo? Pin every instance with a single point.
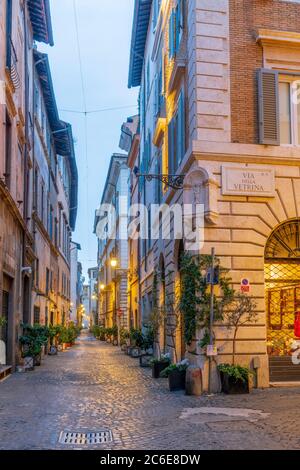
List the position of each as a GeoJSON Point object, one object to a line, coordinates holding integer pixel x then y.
{"type": "Point", "coordinates": [95, 386]}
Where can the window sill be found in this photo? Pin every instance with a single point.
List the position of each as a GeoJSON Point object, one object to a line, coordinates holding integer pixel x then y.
{"type": "Point", "coordinates": [177, 74]}
{"type": "Point", "coordinates": [159, 131]}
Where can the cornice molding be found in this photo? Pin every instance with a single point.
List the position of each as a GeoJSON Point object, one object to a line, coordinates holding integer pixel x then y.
{"type": "Point", "coordinates": [270, 37]}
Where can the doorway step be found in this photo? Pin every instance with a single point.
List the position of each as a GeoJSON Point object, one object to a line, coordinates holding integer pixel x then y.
{"type": "Point", "coordinates": [282, 369]}
{"type": "Point", "coordinates": [5, 371]}
{"type": "Point", "coordinates": [285, 384]}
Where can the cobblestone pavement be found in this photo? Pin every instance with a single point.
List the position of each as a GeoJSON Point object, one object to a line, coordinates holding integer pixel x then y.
{"type": "Point", "coordinates": [95, 386]}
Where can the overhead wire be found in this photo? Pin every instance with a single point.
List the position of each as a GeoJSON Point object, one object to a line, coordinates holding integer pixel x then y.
{"type": "Point", "coordinates": [84, 113]}
{"type": "Point", "coordinates": [117, 108]}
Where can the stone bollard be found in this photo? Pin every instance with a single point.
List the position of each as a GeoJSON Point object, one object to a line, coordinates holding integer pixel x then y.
{"type": "Point", "coordinates": [193, 384]}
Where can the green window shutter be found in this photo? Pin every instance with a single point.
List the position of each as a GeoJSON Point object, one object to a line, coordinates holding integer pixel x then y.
{"type": "Point", "coordinates": [172, 35]}
{"type": "Point", "coordinates": [171, 149]}
{"type": "Point", "coordinates": [158, 183]}
{"type": "Point", "coordinates": [159, 172]}
{"type": "Point", "coordinates": [160, 89]}
{"type": "Point", "coordinates": [181, 129]}
{"type": "Point", "coordinates": [142, 179]}
{"type": "Point", "coordinates": [154, 18]}
{"type": "Point", "coordinates": [268, 107]}
{"type": "Point", "coordinates": [177, 27]}
{"type": "Point", "coordinates": [156, 95]}
{"type": "Point", "coordinates": [148, 151]}
{"type": "Point", "coordinates": [179, 22]}
{"type": "Point", "coordinates": [148, 80]}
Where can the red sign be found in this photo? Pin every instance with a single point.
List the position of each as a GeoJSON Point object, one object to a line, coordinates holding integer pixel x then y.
{"type": "Point", "coordinates": [120, 312]}
{"type": "Point", "coordinates": [245, 286]}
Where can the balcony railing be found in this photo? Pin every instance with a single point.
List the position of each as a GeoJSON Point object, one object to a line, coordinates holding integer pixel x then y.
{"type": "Point", "coordinates": [12, 64]}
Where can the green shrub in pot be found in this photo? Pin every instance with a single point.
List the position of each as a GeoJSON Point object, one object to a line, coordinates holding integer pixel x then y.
{"type": "Point", "coordinates": [234, 378]}
{"type": "Point", "coordinates": [176, 373]}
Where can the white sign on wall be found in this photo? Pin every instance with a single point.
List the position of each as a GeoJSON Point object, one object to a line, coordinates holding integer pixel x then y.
{"type": "Point", "coordinates": [2, 353]}
{"type": "Point", "coordinates": [241, 180]}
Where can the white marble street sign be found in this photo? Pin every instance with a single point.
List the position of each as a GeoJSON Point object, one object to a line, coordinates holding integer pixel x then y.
{"type": "Point", "coordinates": [240, 180]}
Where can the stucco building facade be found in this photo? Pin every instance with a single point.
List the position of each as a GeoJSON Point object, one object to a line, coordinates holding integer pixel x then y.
{"type": "Point", "coordinates": [217, 80]}
{"type": "Point", "coordinates": [113, 245]}
{"type": "Point", "coordinates": [38, 178]}
{"type": "Point", "coordinates": [75, 281]}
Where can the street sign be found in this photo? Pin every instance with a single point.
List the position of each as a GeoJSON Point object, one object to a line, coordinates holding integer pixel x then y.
{"type": "Point", "coordinates": [211, 350]}
{"type": "Point", "coordinates": [245, 286]}
{"type": "Point", "coordinates": [213, 276]}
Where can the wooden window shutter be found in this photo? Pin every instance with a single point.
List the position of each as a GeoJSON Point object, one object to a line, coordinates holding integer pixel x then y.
{"type": "Point", "coordinates": [172, 26]}
{"type": "Point", "coordinates": [171, 147]}
{"type": "Point", "coordinates": [268, 107]}
{"type": "Point", "coordinates": [181, 128]}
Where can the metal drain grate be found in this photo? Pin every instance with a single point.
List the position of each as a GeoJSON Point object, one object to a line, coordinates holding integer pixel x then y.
{"type": "Point", "coordinates": [85, 438]}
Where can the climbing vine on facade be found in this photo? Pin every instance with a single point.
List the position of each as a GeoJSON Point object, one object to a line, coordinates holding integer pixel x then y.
{"type": "Point", "coordinates": [195, 294]}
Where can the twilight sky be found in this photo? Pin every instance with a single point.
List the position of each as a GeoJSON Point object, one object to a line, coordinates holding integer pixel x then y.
{"type": "Point", "coordinates": [104, 36]}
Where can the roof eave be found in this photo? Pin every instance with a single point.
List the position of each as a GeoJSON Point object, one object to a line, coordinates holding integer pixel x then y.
{"type": "Point", "coordinates": [40, 16]}
{"type": "Point", "coordinates": [141, 18]}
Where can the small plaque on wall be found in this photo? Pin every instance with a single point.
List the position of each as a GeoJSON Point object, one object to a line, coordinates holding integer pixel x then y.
{"type": "Point", "coordinates": [246, 181]}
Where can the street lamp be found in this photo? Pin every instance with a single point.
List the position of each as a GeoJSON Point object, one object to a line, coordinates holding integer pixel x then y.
{"type": "Point", "coordinates": [171, 181]}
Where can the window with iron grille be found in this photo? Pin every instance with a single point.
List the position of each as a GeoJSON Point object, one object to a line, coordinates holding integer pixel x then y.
{"type": "Point", "coordinates": [36, 316]}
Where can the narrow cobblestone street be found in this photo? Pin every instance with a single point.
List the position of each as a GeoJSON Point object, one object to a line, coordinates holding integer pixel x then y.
{"type": "Point", "coordinates": [95, 386]}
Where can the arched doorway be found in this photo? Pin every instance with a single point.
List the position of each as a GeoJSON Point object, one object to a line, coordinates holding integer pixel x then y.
{"type": "Point", "coordinates": [282, 282]}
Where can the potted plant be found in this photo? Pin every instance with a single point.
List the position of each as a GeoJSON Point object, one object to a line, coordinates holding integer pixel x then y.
{"type": "Point", "coordinates": [137, 341]}
{"type": "Point", "coordinates": [53, 332]}
{"type": "Point", "coordinates": [234, 378]}
{"type": "Point", "coordinates": [114, 334]}
{"type": "Point", "coordinates": [158, 365]}
{"type": "Point", "coordinates": [32, 341]}
{"type": "Point", "coordinates": [63, 337]}
{"type": "Point", "coordinates": [147, 348]}
{"type": "Point", "coordinates": [74, 332]}
{"type": "Point", "coordinates": [124, 339]}
{"type": "Point", "coordinates": [95, 331]}
{"type": "Point", "coordinates": [101, 330]}
{"type": "Point", "coordinates": [176, 373]}
{"type": "Point", "coordinates": [108, 334]}
{"type": "Point", "coordinates": [41, 334]}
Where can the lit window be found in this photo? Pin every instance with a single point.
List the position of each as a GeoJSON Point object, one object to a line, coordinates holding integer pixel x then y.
{"type": "Point", "coordinates": [289, 111]}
